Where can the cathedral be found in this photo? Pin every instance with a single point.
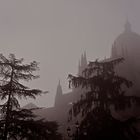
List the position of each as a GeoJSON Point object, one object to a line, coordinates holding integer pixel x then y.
{"type": "Point", "coordinates": [126, 45]}
{"type": "Point", "coordinates": [63, 101]}
{"type": "Point", "coordinates": [67, 98]}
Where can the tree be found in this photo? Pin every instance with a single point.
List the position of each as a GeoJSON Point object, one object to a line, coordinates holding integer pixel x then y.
{"type": "Point", "coordinates": [16, 122]}
{"type": "Point", "coordinates": [104, 89]}
{"type": "Point", "coordinates": [23, 125]}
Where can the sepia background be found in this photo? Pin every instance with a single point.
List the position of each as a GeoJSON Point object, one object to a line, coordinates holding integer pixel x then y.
{"type": "Point", "coordinates": [56, 32]}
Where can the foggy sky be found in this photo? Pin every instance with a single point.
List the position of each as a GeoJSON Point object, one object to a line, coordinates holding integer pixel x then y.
{"type": "Point", "coordinates": [56, 33]}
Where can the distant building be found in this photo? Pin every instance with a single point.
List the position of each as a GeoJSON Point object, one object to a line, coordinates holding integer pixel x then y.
{"type": "Point", "coordinates": [63, 101]}
{"type": "Point", "coordinates": [127, 45]}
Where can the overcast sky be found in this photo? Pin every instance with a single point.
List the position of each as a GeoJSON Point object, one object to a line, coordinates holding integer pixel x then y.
{"type": "Point", "coordinates": [56, 33]}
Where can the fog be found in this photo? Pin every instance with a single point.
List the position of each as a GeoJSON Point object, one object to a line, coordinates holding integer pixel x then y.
{"type": "Point", "coordinates": [56, 33]}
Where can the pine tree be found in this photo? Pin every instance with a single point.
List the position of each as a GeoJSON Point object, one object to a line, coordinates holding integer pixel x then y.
{"type": "Point", "coordinates": [104, 88]}
{"type": "Point", "coordinates": [24, 124]}
{"type": "Point", "coordinates": [12, 72]}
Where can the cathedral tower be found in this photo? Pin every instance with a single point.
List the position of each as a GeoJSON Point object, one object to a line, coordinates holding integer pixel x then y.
{"type": "Point", "coordinates": [82, 63]}
{"type": "Point", "coordinates": [59, 94]}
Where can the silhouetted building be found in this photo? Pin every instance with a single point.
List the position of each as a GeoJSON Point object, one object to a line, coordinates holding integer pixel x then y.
{"type": "Point", "coordinates": [59, 94]}
{"type": "Point", "coordinates": [127, 45]}
{"type": "Point", "coordinates": [63, 101]}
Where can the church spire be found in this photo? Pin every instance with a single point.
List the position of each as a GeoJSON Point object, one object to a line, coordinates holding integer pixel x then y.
{"type": "Point", "coordinates": [114, 51]}
{"type": "Point", "coordinates": [59, 94]}
{"type": "Point", "coordinates": [59, 88]}
{"type": "Point", "coordinates": [127, 26]}
{"type": "Point", "coordinates": [82, 59]}
{"type": "Point", "coordinates": [85, 59]}
{"type": "Point", "coordinates": [79, 67]}
{"type": "Point", "coordinates": [82, 63]}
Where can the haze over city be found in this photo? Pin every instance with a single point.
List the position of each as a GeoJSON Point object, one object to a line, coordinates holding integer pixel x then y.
{"type": "Point", "coordinates": [56, 32]}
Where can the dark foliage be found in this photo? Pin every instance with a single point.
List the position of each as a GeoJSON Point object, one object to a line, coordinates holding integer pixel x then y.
{"type": "Point", "coordinates": [100, 125]}
{"type": "Point", "coordinates": [16, 123]}
{"type": "Point", "coordinates": [24, 125]}
{"type": "Point", "coordinates": [104, 88]}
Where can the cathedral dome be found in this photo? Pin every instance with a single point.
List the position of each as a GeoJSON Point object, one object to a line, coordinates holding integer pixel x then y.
{"type": "Point", "coordinates": [127, 44]}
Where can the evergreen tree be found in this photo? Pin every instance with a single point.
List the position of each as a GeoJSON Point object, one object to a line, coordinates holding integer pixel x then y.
{"type": "Point", "coordinates": [104, 89]}
{"type": "Point", "coordinates": [17, 123]}
{"type": "Point", "coordinates": [23, 125]}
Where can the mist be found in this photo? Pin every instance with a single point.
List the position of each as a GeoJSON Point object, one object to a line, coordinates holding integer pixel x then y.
{"type": "Point", "coordinates": [56, 33]}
